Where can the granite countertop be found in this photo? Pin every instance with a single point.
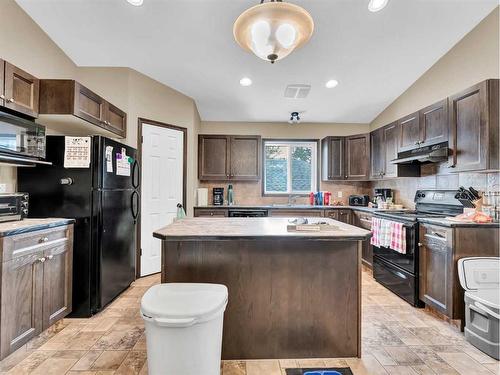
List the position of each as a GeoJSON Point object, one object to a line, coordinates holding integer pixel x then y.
{"type": "Point", "coordinates": [452, 223]}
{"type": "Point", "coordinates": [29, 225]}
{"type": "Point", "coordinates": [253, 228]}
{"type": "Point", "coordinates": [293, 207]}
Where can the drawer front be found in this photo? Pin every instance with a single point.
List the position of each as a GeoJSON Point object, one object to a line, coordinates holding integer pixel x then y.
{"type": "Point", "coordinates": [364, 219]}
{"type": "Point", "coordinates": [210, 213]}
{"type": "Point", "coordinates": [27, 243]}
{"type": "Point", "coordinates": [296, 213]}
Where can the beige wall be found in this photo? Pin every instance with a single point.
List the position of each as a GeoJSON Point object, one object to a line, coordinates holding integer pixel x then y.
{"type": "Point", "coordinates": [472, 60]}
{"type": "Point", "coordinates": [140, 96]}
{"type": "Point", "coordinates": [283, 129]}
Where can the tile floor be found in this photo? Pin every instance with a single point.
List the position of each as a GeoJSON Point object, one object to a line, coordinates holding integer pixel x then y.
{"type": "Point", "coordinates": [396, 339]}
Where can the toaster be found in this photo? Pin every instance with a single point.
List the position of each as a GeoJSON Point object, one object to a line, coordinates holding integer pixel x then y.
{"type": "Point", "coordinates": [359, 200]}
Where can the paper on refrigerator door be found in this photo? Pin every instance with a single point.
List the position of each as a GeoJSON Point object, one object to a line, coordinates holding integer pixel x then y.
{"type": "Point", "coordinates": [109, 159]}
{"type": "Point", "coordinates": [77, 152]}
{"type": "Point", "coordinates": [122, 164]}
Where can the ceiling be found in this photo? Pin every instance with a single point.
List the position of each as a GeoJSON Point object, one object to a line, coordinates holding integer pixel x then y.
{"type": "Point", "coordinates": [189, 45]}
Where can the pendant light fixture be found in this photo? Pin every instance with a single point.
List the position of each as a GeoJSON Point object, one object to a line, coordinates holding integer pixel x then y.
{"type": "Point", "coordinates": [274, 29]}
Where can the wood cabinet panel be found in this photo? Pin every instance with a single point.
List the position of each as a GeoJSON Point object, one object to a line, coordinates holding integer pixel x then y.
{"type": "Point", "coordinates": [57, 283]}
{"type": "Point", "coordinates": [245, 157]}
{"type": "Point", "coordinates": [435, 287]}
{"type": "Point", "coordinates": [21, 90]}
{"type": "Point", "coordinates": [21, 307]}
{"type": "Point", "coordinates": [88, 113]}
{"type": "Point", "coordinates": [335, 158]}
{"type": "Point", "coordinates": [434, 123]}
{"type": "Point", "coordinates": [409, 132]}
{"type": "Point", "coordinates": [357, 157]}
{"type": "Point", "coordinates": [295, 213]}
{"type": "Point", "coordinates": [218, 212]}
{"type": "Point", "coordinates": [229, 157]}
{"type": "Point", "coordinates": [377, 154]}
{"type": "Point", "coordinates": [36, 284]}
{"type": "Point", "coordinates": [213, 157]}
{"type": "Point", "coordinates": [116, 120]}
{"type": "Point", "coordinates": [473, 125]}
{"type": "Point", "coordinates": [2, 82]}
{"type": "Point", "coordinates": [344, 216]}
{"type": "Point", "coordinates": [88, 105]}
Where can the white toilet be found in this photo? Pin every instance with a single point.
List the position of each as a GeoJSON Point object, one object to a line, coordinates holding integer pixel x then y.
{"type": "Point", "coordinates": [480, 277]}
{"type": "Point", "coordinates": [184, 328]}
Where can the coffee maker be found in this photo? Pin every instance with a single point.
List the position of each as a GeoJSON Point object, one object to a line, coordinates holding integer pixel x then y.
{"type": "Point", "coordinates": [384, 194]}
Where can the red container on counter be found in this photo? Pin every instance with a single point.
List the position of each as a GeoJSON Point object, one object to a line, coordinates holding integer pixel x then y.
{"type": "Point", "coordinates": [311, 198]}
{"type": "Point", "coordinates": [326, 198]}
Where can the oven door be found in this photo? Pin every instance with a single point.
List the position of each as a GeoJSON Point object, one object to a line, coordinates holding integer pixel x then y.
{"type": "Point", "coordinates": [408, 261]}
{"type": "Point", "coordinates": [21, 137]}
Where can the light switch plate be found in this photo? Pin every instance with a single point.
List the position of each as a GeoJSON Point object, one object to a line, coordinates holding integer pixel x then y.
{"type": "Point", "coordinates": [3, 188]}
{"type": "Point", "coordinates": [339, 194]}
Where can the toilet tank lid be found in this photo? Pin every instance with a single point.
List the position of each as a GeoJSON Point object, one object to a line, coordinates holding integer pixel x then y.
{"type": "Point", "coordinates": [184, 300]}
{"type": "Point", "coordinates": [478, 273]}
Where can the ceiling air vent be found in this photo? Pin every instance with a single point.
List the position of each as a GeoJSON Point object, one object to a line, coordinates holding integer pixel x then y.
{"type": "Point", "coordinates": [297, 91]}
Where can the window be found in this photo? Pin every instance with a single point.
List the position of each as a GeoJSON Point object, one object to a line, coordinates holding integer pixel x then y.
{"type": "Point", "coordinates": [290, 167]}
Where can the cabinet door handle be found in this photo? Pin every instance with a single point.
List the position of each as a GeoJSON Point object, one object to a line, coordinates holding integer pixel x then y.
{"type": "Point", "coordinates": [42, 260]}
{"type": "Point", "coordinates": [50, 257]}
{"type": "Point", "coordinates": [2, 96]}
{"type": "Point", "coordinates": [43, 239]}
{"type": "Point", "coordinates": [11, 100]}
{"type": "Point", "coordinates": [420, 244]}
{"type": "Point", "coordinates": [438, 234]}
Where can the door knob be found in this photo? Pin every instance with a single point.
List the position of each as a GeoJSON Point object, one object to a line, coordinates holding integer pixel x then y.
{"type": "Point", "coordinates": [44, 239]}
{"type": "Point", "coordinates": [11, 100]}
{"type": "Point", "coordinates": [42, 260]}
{"type": "Point", "coordinates": [2, 96]}
{"type": "Point", "coordinates": [50, 257]}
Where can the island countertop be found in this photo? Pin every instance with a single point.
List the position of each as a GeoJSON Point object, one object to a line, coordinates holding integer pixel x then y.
{"type": "Point", "coordinates": [249, 228]}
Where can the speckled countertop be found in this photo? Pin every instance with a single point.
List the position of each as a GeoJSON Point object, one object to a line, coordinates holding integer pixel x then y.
{"type": "Point", "coordinates": [29, 225]}
{"type": "Point", "coordinates": [452, 223]}
{"type": "Point", "coordinates": [253, 228]}
{"type": "Point", "coordinates": [293, 207]}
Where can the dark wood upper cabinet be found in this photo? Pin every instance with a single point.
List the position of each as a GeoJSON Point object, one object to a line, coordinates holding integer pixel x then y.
{"type": "Point", "coordinates": [20, 90]}
{"type": "Point", "coordinates": [73, 109]}
{"type": "Point", "coordinates": [346, 158]}
{"type": "Point", "coordinates": [244, 158]}
{"type": "Point", "coordinates": [226, 157]}
{"type": "Point", "coordinates": [357, 157]}
{"type": "Point", "coordinates": [391, 140]}
{"type": "Point", "coordinates": [434, 123]}
{"type": "Point", "coordinates": [473, 127]}
{"type": "Point", "coordinates": [333, 153]}
{"type": "Point", "coordinates": [2, 82]}
{"type": "Point", "coordinates": [213, 157]}
{"type": "Point", "coordinates": [116, 120]}
{"type": "Point", "coordinates": [409, 132]}
{"type": "Point", "coordinates": [377, 154]}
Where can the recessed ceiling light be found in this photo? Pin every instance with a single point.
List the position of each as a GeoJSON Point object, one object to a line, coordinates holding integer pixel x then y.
{"type": "Point", "coordinates": [376, 5]}
{"type": "Point", "coordinates": [331, 84]}
{"type": "Point", "coordinates": [136, 3]}
{"type": "Point", "coordinates": [245, 81]}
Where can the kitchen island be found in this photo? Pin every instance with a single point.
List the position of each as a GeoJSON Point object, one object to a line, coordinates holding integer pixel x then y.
{"type": "Point", "coordinates": [291, 294]}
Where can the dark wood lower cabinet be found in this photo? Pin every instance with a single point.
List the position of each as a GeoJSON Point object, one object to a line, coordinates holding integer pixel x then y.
{"type": "Point", "coordinates": [364, 220]}
{"type": "Point", "coordinates": [36, 284]}
{"type": "Point", "coordinates": [440, 248]}
{"type": "Point", "coordinates": [343, 215]}
{"type": "Point", "coordinates": [206, 212]}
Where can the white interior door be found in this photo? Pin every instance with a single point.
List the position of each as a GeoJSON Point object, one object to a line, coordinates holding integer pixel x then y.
{"type": "Point", "coordinates": [161, 188]}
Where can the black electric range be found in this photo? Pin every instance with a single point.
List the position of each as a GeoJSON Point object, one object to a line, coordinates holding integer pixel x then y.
{"type": "Point", "coordinates": [399, 272]}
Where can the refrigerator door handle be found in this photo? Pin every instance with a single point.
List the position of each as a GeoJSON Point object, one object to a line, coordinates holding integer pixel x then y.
{"type": "Point", "coordinates": [135, 175]}
{"type": "Point", "coordinates": [135, 205]}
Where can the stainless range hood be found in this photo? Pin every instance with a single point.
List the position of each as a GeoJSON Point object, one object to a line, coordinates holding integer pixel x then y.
{"type": "Point", "coordinates": [429, 154]}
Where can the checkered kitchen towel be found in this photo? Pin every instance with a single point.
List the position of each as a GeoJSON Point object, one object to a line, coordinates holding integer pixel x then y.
{"type": "Point", "coordinates": [381, 230]}
{"type": "Point", "coordinates": [398, 237]}
{"type": "Point", "coordinates": [388, 234]}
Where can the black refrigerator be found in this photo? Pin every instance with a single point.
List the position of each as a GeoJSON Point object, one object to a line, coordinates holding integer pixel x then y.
{"type": "Point", "coordinates": [106, 206]}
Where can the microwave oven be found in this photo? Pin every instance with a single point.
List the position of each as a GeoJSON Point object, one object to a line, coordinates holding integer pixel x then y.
{"type": "Point", "coordinates": [22, 141]}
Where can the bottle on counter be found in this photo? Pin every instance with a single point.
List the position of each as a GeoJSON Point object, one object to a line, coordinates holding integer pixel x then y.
{"type": "Point", "coordinates": [230, 195]}
{"type": "Point", "coordinates": [311, 198]}
{"type": "Point", "coordinates": [327, 198]}
{"type": "Point", "coordinates": [181, 214]}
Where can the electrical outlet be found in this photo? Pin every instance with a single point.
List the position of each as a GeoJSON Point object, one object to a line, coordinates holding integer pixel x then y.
{"type": "Point", "coordinates": [3, 188]}
{"type": "Point", "coordinates": [339, 194]}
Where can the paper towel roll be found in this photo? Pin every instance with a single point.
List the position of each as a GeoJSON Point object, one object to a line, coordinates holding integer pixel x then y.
{"type": "Point", "coordinates": [202, 197]}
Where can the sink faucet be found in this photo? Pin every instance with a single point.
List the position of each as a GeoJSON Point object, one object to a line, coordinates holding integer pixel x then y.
{"type": "Point", "coordinates": [292, 199]}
